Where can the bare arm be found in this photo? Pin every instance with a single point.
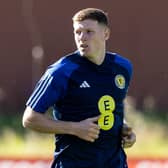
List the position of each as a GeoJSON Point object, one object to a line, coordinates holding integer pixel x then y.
{"type": "Point", "coordinates": [87, 129]}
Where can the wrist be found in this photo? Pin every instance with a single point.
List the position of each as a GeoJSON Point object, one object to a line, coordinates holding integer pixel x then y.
{"type": "Point", "coordinates": [71, 128]}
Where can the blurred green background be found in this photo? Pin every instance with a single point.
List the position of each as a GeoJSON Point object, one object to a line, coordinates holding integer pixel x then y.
{"type": "Point", "coordinates": [34, 34]}
{"type": "Point", "coordinates": [150, 128]}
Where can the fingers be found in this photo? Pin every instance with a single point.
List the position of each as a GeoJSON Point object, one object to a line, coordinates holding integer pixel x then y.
{"type": "Point", "coordinates": [88, 129]}
{"type": "Point", "coordinates": [94, 119]}
{"type": "Point", "coordinates": [93, 137]}
{"type": "Point", "coordinates": [94, 132]}
{"type": "Point", "coordinates": [128, 136]}
{"type": "Point", "coordinates": [126, 130]}
{"type": "Point", "coordinates": [128, 141]}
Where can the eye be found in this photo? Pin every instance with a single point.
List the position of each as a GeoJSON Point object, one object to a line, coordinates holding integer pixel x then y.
{"type": "Point", "coordinates": [78, 32]}
{"type": "Point", "coordinates": [89, 31]}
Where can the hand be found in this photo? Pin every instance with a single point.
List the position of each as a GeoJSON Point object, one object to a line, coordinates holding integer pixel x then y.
{"type": "Point", "coordinates": [87, 129]}
{"type": "Point", "coordinates": [128, 136]}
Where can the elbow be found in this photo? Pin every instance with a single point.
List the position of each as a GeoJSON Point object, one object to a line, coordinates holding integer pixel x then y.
{"type": "Point", "coordinates": [25, 123]}
{"type": "Point", "coordinates": [28, 119]}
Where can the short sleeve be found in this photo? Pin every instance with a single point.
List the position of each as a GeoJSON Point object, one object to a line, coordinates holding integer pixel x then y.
{"type": "Point", "coordinates": [46, 93]}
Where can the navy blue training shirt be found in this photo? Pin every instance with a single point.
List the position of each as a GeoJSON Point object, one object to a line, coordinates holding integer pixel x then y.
{"type": "Point", "coordinates": [78, 89]}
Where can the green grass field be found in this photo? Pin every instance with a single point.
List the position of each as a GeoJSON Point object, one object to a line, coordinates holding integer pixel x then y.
{"type": "Point", "coordinates": [151, 143]}
{"type": "Point", "coordinates": [151, 131]}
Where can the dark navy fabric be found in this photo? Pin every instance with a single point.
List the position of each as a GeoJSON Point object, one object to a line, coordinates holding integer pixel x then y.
{"type": "Point", "coordinates": [76, 88]}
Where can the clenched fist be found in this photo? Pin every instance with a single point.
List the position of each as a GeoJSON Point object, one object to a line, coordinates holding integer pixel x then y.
{"type": "Point", "coordinates": [87, 129]}
{"type": "Point", "coordinates": [128, 136]}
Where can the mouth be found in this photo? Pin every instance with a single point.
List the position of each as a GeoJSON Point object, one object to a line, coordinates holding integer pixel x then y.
{"type": "Point", "coordinates": [83, 46]}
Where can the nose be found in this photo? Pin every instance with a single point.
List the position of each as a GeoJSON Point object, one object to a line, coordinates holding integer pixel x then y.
{"type": "Point", "coordinates": [83, 36]}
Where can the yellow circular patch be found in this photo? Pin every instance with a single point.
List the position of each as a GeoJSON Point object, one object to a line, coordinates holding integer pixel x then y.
{"type": "Point", "coordinates": [120, 81]}
{"type": "Point", "coordinates": [106, 121]}
{"type": "Point", "coordinates": [106, 105]}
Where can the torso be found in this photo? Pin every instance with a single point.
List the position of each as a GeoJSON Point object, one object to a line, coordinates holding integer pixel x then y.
{"type": "Point", "coordinates": [96, 90]}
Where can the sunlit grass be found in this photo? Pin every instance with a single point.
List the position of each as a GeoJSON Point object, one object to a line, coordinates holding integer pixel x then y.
{"type": "Point", "coordinates": [151, 142]}
{"type": "Point", "coordinates": [151, 134]}
{"type": "Point", "coordinates": [32, 144]}
{"type": "Point", "coordinates": [152, 139]}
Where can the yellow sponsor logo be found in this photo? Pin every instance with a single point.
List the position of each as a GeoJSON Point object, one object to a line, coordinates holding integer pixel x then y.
{"type": "Point", "coordinates": [106, 105]}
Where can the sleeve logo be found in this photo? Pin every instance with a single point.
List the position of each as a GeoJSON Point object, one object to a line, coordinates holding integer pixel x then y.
{"type": "Point", "coordinates": [120, 81]}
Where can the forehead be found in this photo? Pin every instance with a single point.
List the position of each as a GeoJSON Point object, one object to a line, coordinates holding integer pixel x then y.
{"type": "Point", "coordinates": [86, 24]}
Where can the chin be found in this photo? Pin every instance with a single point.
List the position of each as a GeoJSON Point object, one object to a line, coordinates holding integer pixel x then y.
{"type": "Point", "coordinates": [83, 54]}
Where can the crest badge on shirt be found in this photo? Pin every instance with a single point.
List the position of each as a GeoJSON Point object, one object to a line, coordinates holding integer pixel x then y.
{"type": "Point", "coordinates": [120, 81]}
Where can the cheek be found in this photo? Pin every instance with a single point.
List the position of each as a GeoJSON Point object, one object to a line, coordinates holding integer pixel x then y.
{"type": "Point", "coordinates": [99, 37]}
{"type": "Point", "coordinates": [76, 40]}
{"type": "Point", "coordinates": [98, 41]}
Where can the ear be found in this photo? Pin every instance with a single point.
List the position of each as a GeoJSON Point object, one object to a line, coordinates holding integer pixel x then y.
{"type": "Point", "coordinates": [107, 33]}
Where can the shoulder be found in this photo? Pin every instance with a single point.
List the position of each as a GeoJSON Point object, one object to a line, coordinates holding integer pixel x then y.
{"type": "Point", "coordinates": [122, 61]}
{"type": "Point", "coordinates": [66, 64]}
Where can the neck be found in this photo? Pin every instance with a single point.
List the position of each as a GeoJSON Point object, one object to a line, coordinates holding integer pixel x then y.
{"type": "Point", "coordinates": [97, 59]}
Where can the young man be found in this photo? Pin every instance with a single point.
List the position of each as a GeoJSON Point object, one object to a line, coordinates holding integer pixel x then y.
{"type": "Point", "coordinates": [86, 90]}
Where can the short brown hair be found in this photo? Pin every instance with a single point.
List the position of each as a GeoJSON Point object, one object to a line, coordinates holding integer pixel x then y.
{"type": "Point", "coordinates": [93, 14]}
